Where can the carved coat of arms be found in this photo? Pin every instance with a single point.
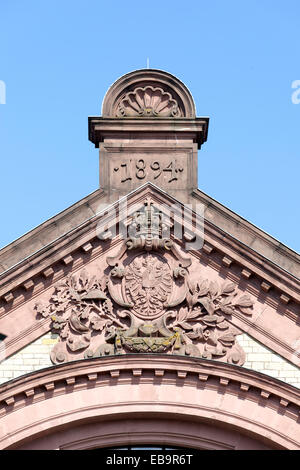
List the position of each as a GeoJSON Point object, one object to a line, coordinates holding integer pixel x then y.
{"type": "Point", "coordinates": [147, 303]}
{"type": "Point", "coordinates": [148, 285]}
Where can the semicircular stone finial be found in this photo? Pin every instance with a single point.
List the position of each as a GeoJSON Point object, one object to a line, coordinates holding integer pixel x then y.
{"type": "Point", "coordinates": [148, 93]}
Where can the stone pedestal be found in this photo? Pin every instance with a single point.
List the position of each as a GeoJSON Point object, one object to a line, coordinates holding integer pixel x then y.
{"type": "Point", "coordinates": [148, 132]}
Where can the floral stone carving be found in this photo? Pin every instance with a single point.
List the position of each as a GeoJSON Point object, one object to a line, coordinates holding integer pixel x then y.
{"type": "Point", "coordinates": [148, 302]}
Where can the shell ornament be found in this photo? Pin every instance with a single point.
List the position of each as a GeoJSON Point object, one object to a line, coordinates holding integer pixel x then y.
{"type": "Point", "coordinates": [148, 102]}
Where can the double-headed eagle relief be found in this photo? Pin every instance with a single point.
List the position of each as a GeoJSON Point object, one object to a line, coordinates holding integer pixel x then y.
{"type": "Point", "coordinates": [146, 301]}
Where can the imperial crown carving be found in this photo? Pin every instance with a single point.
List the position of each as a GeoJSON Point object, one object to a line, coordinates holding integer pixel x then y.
{"type": "Point", "coordinates": [147, 301]}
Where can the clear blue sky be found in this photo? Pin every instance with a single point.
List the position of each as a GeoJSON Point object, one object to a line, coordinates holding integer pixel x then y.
{"type": "Point", "coordinates": [238, 58]}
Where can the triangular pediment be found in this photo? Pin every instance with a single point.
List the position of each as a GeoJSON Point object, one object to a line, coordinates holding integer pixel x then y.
{"type": "Point", "coordinates": [149, 274]}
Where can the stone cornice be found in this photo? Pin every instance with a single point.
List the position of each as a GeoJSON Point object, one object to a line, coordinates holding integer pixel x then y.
{"type": "Point", "coordinates": [220, 241]}
{"type": "Point", "coordinates": [50, 231]}
{"type": "Point", "coordinates": [100, 128]}
{"type": "Point", "coordinates": [144, 368]}
{"type": "Point", "coordinates": [250, 235]}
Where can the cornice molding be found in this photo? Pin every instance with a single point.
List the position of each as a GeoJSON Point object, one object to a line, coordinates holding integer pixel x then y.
{"type": "Point", "coordinates": [254, 232]}
{"type": "Point", "coordinates": [209, 376]}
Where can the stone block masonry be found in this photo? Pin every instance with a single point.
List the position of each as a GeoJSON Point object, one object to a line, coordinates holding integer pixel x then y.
{"type": "Point", "coordinates": [261, 359]}
{"type": "Point", "coordinates": [31, 358]}
{"type": "Point", "coordinates": [36, 356]}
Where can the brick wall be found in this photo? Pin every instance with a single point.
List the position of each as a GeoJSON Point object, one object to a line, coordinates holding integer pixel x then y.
{"type": "Point", "coordinates": [33, 357]}
{"type": "Point", "coordinates": [263, 360]}
{"type": "Point", "coordinates": [37, 356]}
